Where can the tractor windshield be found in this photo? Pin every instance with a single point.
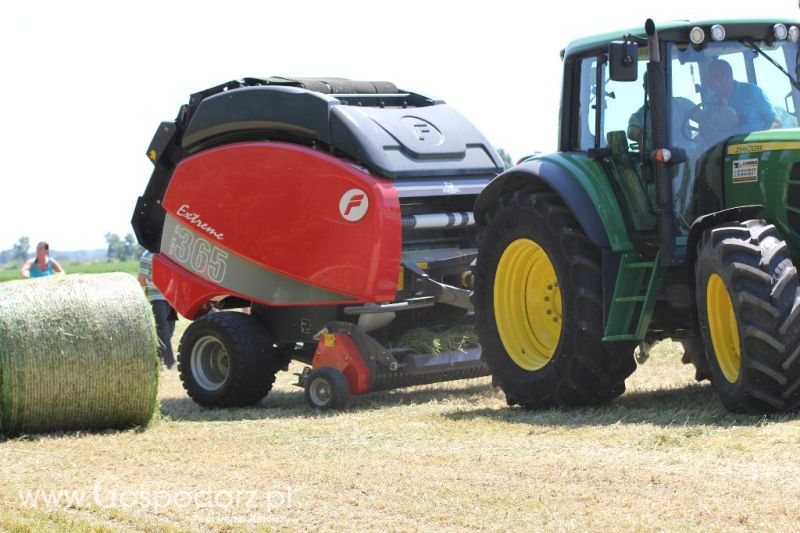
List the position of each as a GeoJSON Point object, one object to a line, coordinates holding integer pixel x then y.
{"type": "Point", "coordinates": [735, 87]}
{"type": "Point", "coordinates": [724, 89]}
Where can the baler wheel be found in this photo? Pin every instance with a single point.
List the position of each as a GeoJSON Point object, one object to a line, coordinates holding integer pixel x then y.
{"type": "Point", "coordinates": [539, 307]}
{"type": "Point", "coordinates": [748, 302]}
{"type": "Point", "coordinates": [326, 388]}
{"type": "Point", "coordinates": [227, 359]}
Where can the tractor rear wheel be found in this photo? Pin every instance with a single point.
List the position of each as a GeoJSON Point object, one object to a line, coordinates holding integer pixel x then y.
{"type": "Point", "coordinates": [227, 359]}
{"type": "Point", "coordinates": [539, 307]}
{"type": "Point", "coordinates": [748, 302]}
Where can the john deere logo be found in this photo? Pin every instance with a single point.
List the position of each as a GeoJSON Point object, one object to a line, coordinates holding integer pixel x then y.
{"type": "Point", "coordinates": [353, 205]}
{"type": "Point", "coordinates": [424, 131]}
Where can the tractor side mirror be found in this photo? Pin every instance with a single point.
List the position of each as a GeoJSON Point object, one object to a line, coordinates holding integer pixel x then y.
{"type": "Point", "coordinates": [622, 59]}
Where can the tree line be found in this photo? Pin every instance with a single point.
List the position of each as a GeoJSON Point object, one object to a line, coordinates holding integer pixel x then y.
{"type": "Point", "coordinates": [124, 249]}
{"type": "Point", "coordinates": [119, 248]}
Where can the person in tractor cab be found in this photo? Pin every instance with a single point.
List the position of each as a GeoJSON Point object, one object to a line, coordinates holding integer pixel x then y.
{"type": "Point", "coordinates": [679, 123]}
{"type": "Point", "coordinates": [681, 109]}
{"type": "Point", "coordinates": [754, 112]}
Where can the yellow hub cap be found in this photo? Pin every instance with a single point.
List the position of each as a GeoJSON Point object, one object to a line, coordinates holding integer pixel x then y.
{"type": "Point", "coordinates": [527, 304]}
{"type": "Point", "coordinates": [724, 330]}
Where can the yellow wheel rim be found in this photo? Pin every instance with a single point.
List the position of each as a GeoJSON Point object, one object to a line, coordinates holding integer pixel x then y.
{"type": "Point", "coordinates": [724, 330]}
{"type": "Point", "coordinates": [527, 304]}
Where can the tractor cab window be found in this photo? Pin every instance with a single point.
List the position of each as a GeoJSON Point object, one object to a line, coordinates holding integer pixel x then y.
{"type": "Point", "coordinates": [736, 88]}
{"type": "Point", "coordinates": [615, 104]}
{"type": "Point", "coordinates": [724, 89]}
{"type": "Point", "coordinates": [612, 120]}
{"type": "Point", "coordinates": [587, 104]}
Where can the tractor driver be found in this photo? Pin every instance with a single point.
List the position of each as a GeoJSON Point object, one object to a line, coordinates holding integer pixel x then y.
{"type": "Point", "coordinates": [681, 109]}
{"type": "Point", "coordinates": [753, 110]}
{"type": "Point", "coordinates": [680, 114]}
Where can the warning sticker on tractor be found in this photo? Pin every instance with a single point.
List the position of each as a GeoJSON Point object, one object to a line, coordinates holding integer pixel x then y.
{"type": "Point", "coordinates": [745, 171]}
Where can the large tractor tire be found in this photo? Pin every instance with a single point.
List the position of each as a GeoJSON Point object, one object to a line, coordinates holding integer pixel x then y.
{"type": "Point", "coordinates": [748, 303]}
{"type": "Point", "coordinates": [227, 359]}
{"type": "Point", "coordinates": [539, 307]}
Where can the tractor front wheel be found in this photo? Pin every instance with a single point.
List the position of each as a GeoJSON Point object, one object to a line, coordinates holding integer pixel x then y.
{"type": "Point", "coordinates": [539, 307]}
{"type": "Point", "coordinates": [748, 302]}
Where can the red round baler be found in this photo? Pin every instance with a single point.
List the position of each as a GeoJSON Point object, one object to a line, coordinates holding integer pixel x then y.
{"type": "Point", "coordinates": [336, 213]}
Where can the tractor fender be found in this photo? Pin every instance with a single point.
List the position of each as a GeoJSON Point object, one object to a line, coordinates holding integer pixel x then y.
{"type": "Point", "coordinates": [741, 213]}
{"type": "Point", "coordinates": [541, 174]}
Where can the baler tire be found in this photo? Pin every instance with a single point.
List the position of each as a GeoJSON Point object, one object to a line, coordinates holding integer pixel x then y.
{"type": "Point", "coordinates": [581, 369]}
{"type": "Point", "coordinates": [748, 303]}
{"type": "Point", "coordinates": [326, 388]}
{"type": "Point", "coordinates": [249, 363]}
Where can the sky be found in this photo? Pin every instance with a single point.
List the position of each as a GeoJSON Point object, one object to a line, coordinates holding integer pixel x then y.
{"type": "Point", "coordinates": [85, 84]}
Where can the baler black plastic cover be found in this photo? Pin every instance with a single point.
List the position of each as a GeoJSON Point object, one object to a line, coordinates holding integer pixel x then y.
{"type": "Point", "coordinates": [395, 134]}
{"type": "Point", "coordinates": [416, 136]}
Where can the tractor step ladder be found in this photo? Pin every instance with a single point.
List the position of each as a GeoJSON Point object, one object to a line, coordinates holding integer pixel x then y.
{"type": "Point", "coordinates": [635, 294]}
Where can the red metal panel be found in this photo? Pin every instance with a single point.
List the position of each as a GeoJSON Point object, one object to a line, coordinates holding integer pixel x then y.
{"type": "Point", "coordinates": [338, 350]}
{"type": "Point", "coordinates": [286, 208]}
{"type": "Point", "coordinates": [186, 292]}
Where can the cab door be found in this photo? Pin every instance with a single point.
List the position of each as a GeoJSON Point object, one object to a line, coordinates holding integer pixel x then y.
{"type": "Point", "coordinates": [613, 129]}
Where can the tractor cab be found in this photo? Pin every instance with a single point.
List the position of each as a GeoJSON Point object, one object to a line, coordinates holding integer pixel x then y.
{"type": "Point", "coordinates": [721, 80]}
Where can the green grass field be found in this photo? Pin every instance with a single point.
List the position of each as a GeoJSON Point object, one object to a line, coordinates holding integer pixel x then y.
{"type": "Point", "coordinates": [666, 456]}
{"type": "Point", "coordinates": [87, 267]}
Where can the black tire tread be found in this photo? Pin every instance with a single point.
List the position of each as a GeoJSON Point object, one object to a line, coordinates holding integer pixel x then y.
{"type": "Point", "coordinates": [339, 387]}
{"type": "Point", "coordinates": [755, 263]}
{"type": "Point", "coordinates": [252, 378]}
{"type": "Point", "coordinates": [585, 370]}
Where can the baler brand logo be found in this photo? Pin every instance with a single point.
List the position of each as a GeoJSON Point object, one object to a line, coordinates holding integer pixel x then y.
{"type": "Point", "coordinates": [194, 218]}
{"type": "Point", "coordinates": [353, 205]}
{"type": "Point", "coordinates": [450, 188]}
{"type": "Point", "coordinates": [424, 131]}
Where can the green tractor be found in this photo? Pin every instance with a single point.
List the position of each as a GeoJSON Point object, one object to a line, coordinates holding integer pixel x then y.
{"type": "Point", "coordinates": [672, 209]}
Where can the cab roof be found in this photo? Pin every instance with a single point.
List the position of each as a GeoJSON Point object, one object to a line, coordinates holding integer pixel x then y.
{"type": "Point", "coordinates": [678, 30]}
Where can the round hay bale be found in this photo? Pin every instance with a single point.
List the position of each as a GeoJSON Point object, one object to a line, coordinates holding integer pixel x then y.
{"type": "Point", "coordinates": [76, 352]}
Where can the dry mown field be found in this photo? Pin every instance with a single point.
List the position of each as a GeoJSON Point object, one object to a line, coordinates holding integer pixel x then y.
{"type": "Point", "coordinates": [665, 456]}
